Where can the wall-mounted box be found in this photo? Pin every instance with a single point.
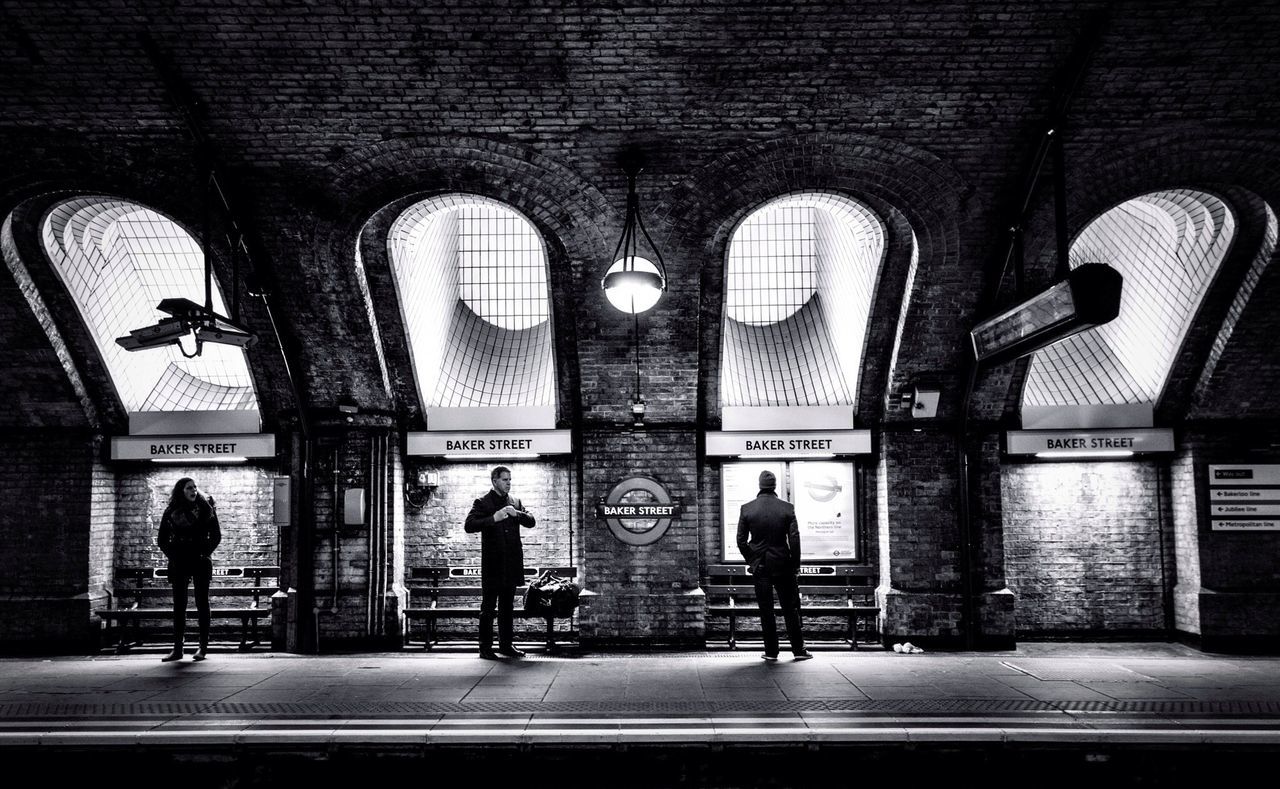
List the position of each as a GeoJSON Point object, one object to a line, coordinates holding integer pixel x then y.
{"type": "Point", "coordinates": [282, 501]}
{"type": "Point", "coordinates": [924, 403]}
{"type": "Point", "coordinates": [353, 507]}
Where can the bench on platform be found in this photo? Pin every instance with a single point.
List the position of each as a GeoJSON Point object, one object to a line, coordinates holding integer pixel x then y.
{"type": "Point", "coordinates": [846, 591]}
{"type": "Point", "coordinates": [437, 593]}
{"type": "Point", "coordinates": [143, 594]}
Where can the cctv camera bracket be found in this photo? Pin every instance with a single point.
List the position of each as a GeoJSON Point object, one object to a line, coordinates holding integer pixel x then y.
{"type": "Point", "coordinates": [187, 318]}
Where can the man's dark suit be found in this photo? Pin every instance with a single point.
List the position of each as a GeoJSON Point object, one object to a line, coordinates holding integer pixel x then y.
{"type": "Point", "coordinates": [769, 539]}
{"type": "Point", "coordinates": [501, 563]}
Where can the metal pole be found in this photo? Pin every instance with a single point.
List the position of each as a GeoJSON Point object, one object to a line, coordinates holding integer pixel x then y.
{"type": "Point", "coordinates": [635, 336]}
{"type": "Point", "coordinates": [1060, 204]}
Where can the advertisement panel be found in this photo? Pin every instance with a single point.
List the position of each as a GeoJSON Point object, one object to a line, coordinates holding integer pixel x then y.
{"type": "Point", "coordinates": [823, 493]}
{"type": "Point", "coordinates": [824, 496]}
{"type": "Point", "coordinates": [739, 483]}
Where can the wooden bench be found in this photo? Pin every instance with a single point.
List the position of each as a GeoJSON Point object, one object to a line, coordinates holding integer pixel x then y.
{"type": "Point", "coordinates": [143, 594]}
{"type": "Point", "coordinates": [437, 593]}
{"type": "Point", "coordinates": [846, 591]}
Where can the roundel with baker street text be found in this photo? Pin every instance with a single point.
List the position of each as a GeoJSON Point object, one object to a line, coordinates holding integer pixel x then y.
{"type": "Point", "coordinates": [638, 510]}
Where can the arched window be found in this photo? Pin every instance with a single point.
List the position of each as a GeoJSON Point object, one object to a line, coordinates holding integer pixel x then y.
{"type": "Point", "coordinates": [801, 270]}
{"type": "Point", "coordinates": [119, 260]}
{"type": "Point", "coordinates": [471, 274]}
{"type": "Point", "coordinates": [1168, 246]}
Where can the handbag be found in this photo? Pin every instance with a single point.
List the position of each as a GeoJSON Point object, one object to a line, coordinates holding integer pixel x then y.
{"type": "Point", "coordinates": [550, 595]}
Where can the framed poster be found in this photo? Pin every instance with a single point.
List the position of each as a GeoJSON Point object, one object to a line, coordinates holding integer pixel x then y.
{"type": "Point", "coordinates": [739, 483]}
{"type": "Point", "coordinates": [824, 496]}
{"type": "Point", "coordinates": [826, 507]}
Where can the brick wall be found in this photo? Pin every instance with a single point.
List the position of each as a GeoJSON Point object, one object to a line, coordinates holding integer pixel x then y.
{"type": "Point", "coordinates": [1185, 517]}
{"type": "Point", "coordinates": [54, 516]}
{"type": "Point", "coordinates": [102, 533]}
{"type": "Point", "coordinates": [1083, 547]}
{"type": "Point", "coordinates": [921, 508]}
{"type": "Point", "coordinates": [434, 533]}
{"type": "Point", "coordinates": [643, 592]}
{"type": "Point", "coordinates": [340, 552]}
{"type": "Point", "coordinates": [920, 538]}
{"type": "Point", "coordinates": [1229, 583]}
{"type": "Point", "coordinates": [79, 519]}
{"type": "Point", "coordinates": [36, 387]}
{"type": "Point", "coordinates": [244, 498]}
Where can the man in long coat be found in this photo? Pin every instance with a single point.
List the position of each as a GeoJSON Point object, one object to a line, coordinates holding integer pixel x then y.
{"type": "Point", "coordinates": [498, 516]}
{"type": "Point", "coordinates": [769, 540]}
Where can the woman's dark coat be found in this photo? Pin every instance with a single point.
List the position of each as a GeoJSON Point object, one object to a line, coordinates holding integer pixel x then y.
{"type": "Point", "coordinates": [501, 554]}
{"type": "Point", "coordinates": [188, 533]}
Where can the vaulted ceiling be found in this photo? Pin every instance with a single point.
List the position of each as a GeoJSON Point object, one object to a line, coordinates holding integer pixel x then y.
{"type": "Point", "coordinates": [321, 118]}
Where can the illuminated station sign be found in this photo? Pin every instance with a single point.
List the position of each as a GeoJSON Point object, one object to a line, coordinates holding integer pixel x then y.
{"type": "Point", "coordinates": [194, 447]}
{"type": "Point", "coordinates": [1085, 444]}
{"type": "Point", "coordinates": [489, 444]}
{"type": "Point", "coordinates": [788, 443]}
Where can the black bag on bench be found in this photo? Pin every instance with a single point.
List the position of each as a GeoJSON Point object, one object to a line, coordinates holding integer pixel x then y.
{"type": "Point", "coordinates": [550, 595]}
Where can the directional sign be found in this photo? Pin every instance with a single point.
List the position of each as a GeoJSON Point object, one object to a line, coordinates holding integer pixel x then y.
{"type": "Point", "coordinates": [1244, 497]}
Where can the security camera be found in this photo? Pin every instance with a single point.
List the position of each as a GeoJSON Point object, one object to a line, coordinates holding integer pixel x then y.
{"type": "Point", "coordinates": [226, 336]}
{"type": "Point", "coordinates": [181, 308]}
{"type": "Point", "coordinates": [163, 333]}
{"type": "Point", "coordinates": [188, 318]}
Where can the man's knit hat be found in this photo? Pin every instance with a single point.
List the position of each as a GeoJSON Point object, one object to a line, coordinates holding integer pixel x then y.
{"type": "Point", "coordinates": [768, 481]}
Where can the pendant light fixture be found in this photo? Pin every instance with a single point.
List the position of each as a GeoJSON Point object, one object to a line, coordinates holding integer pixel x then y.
{"type": "Point", "coordinates": [634, 282]}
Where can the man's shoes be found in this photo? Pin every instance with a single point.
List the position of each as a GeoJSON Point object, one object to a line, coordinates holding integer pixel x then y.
{"type": "Point", "coordinates": [200, 654]}
{"type": "Point", "coordinates": [768, 657]}
{"type": "Point", "coordinates": [176, 654]}
{"type": "Point", "coordinates": [802, 655]}
{"type": "Point", "coordinates": [487, 653]}
{"type": "Point", "coordinates": [510, 651]}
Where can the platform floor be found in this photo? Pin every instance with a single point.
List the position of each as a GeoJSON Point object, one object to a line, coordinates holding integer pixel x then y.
{"type": "Point", "coordinates": [1153, 713]}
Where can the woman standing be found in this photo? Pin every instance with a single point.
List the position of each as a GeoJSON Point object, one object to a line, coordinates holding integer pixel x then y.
{"type": "Point", "coordinates": [189, 533]}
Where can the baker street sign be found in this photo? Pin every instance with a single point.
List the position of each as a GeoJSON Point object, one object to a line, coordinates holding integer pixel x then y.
{"type": "Point", "coordinates": [638, 510]}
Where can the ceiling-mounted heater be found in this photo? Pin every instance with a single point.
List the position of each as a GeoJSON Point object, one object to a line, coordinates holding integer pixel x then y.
{"type": "Point", "coordinates": [1089, 296]}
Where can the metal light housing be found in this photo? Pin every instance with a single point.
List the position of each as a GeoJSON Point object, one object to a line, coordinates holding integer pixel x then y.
{"type": "Point", "coordinates": [634, 283]}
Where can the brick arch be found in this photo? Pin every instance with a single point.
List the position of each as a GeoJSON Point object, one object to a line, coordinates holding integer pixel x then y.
{"type": "Point", "coordinates": [550, 194]}
{"type": "Point", "coordinates": [910, 189]}
{"type": "Point", "coordinates": [1244, 171]}
{"type": "Point", "coordinates": [24, 202]}
{"type": "Point", "coordinates": [369, 188]}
